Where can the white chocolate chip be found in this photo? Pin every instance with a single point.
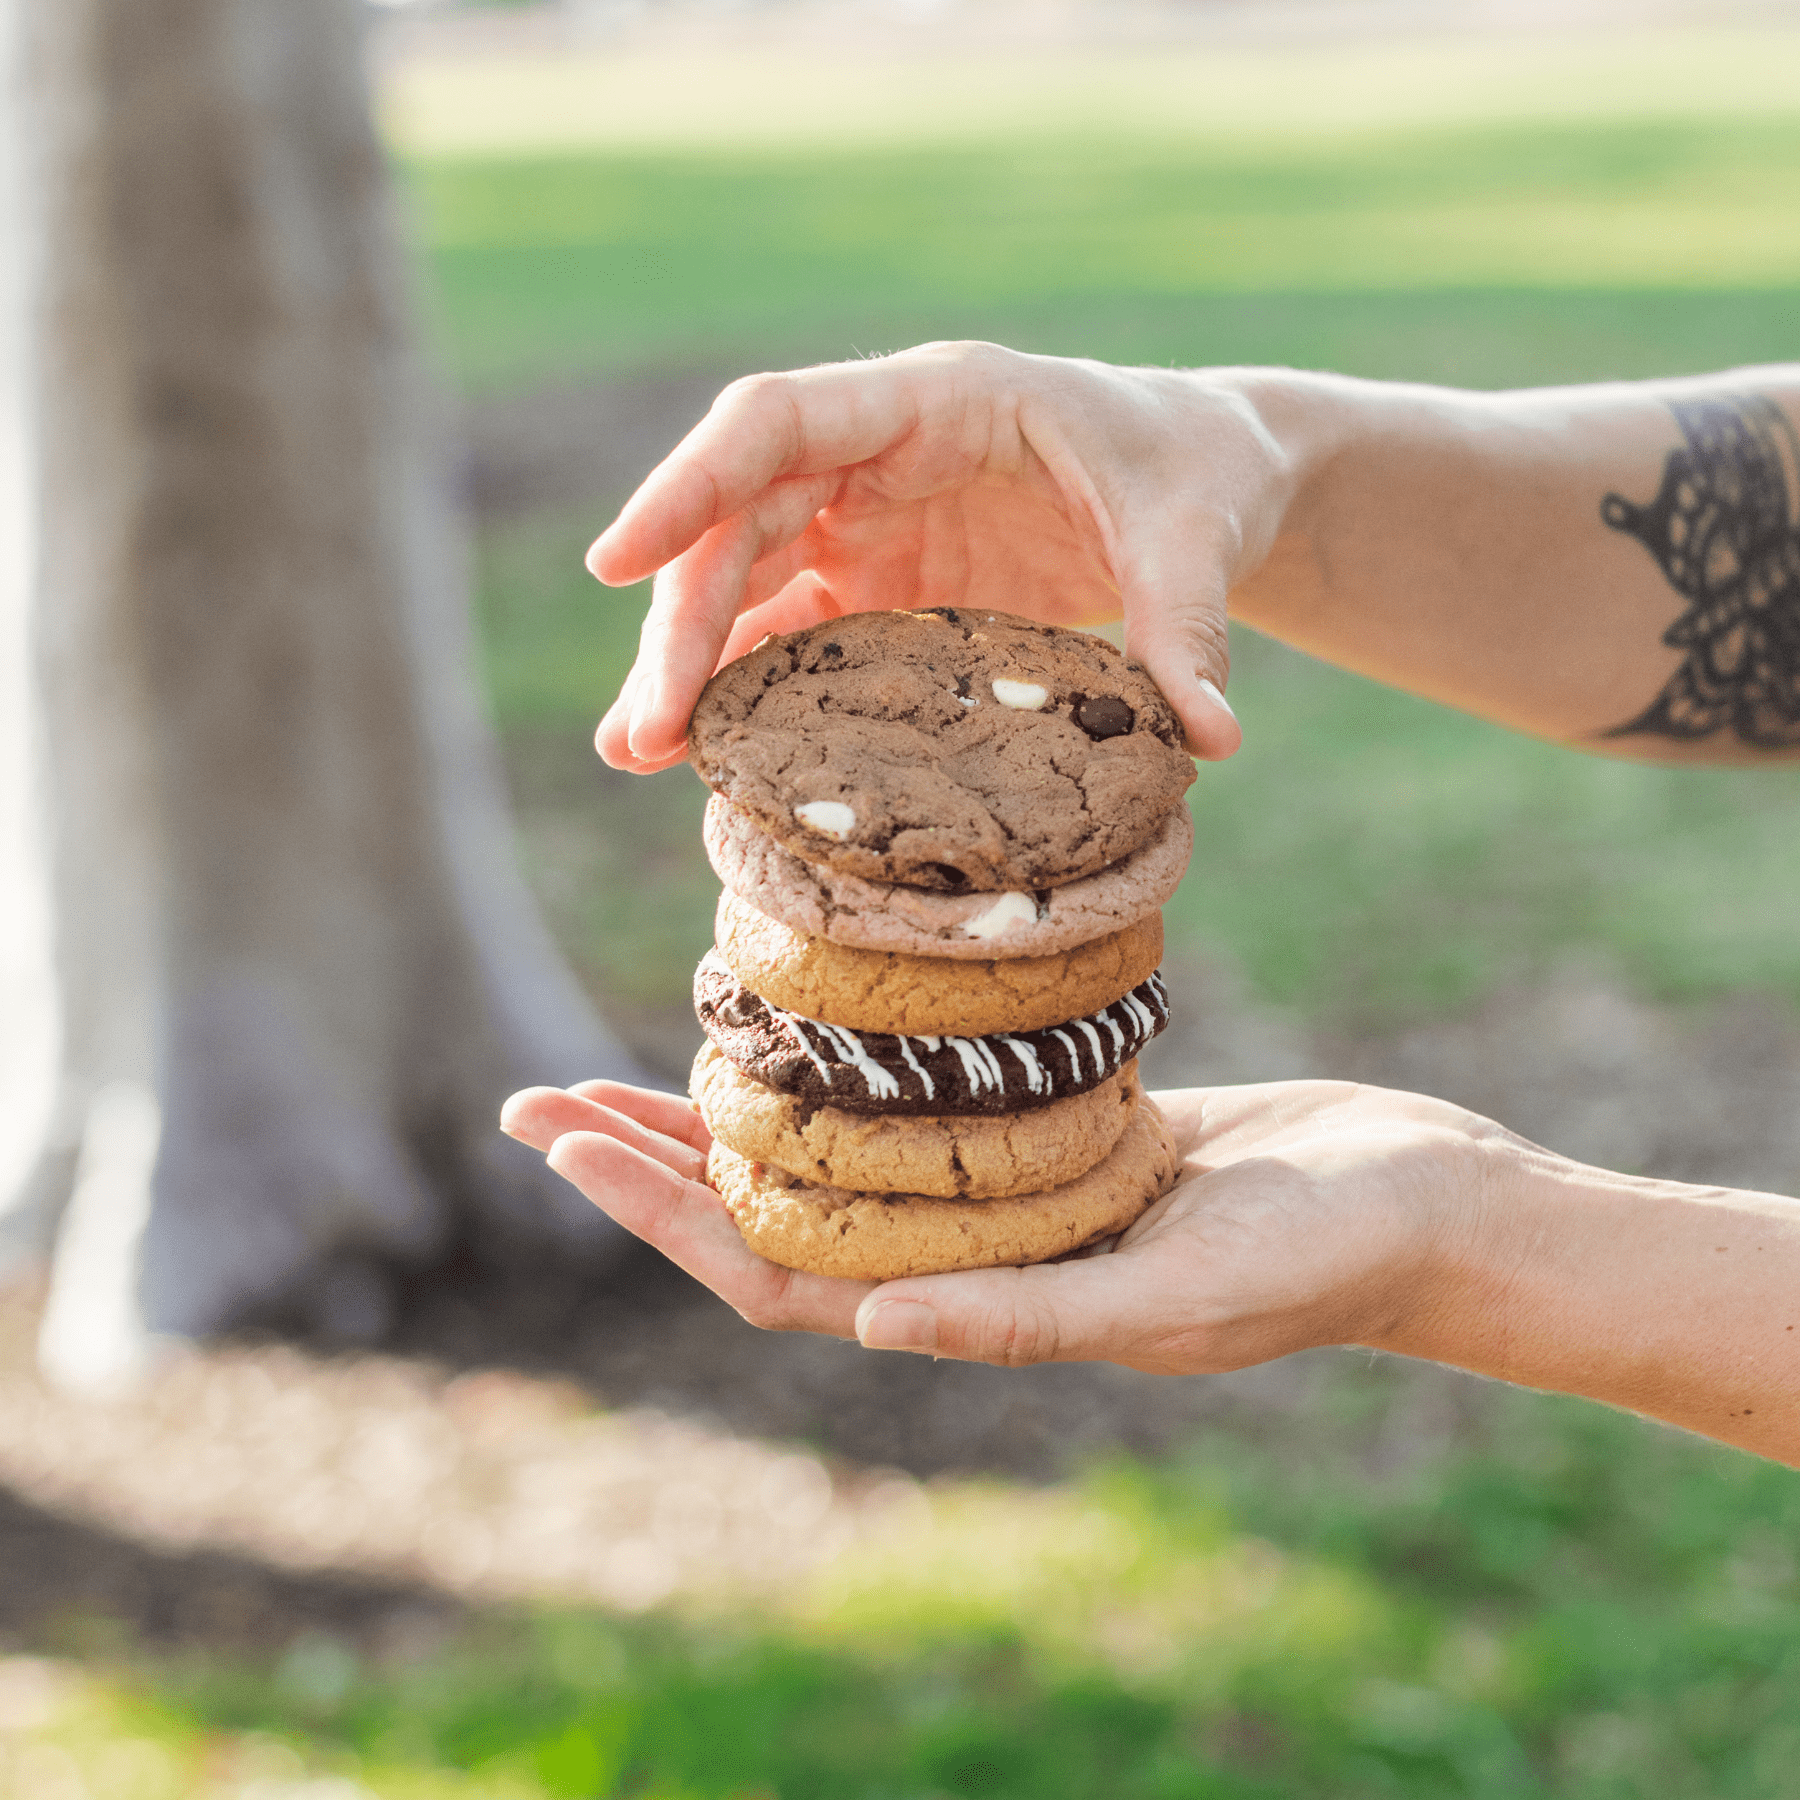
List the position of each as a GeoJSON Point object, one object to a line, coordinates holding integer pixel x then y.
{"type": "Point", "coordinates": [1022, 696]}
{"type": "Point", "coordinates": [966, 700]}
{"type": "Point", "coordinates": [830, 818]}
{"type": "Point", "coordinates": [1009, 909]}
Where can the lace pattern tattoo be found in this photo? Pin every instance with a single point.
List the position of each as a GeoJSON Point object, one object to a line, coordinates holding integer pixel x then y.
{"type": "Point", "coordinates": [1725, 530]}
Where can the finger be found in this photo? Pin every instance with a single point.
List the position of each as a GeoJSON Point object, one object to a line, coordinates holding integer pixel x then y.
{"type": "Point", "coordinates": [688, 1223]}
{"type": "Point", "coordinates": [696, 600]}
{"type": "Point", "coordinates": [673, 1115]}
{"type": "Point", "coordinates": [1175, 625]}
{"type": "Point", "coordinates": [804, 601]}
{"type": "Point", "coordinates": [541, 1116]}
{"type": "Point", "coordinates": [760, 430]}
{"type": "Point", "coordinates": [1100, 1309]}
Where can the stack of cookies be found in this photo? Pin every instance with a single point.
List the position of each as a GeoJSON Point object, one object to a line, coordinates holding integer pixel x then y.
{"type": "Point", "coordinates": [945, 839]}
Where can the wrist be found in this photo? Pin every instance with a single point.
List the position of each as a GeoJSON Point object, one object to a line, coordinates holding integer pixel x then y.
{"type": "Point", "coordinates": [1479, 1234]}
{"type": "Point", "coordinates": [1307, 422]}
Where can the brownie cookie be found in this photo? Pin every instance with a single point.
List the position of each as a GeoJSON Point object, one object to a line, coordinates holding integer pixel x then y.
{"type": "Point", "coordinates": [879, 1072]}
{"type": "Point", "coordinates": [877, 915]}
{"type": "Point", "coordinates": [881, 1237]}
{"type": "Point", "coordinates": [961, 751]}
{"type": "Point", "coordinates": [879, 990]}
{"type": "Point", "coordinates": [976, 1154]}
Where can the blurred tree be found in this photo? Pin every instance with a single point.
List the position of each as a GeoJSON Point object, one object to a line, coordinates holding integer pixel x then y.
{"type": "Point", "coordinates": [269, 963]}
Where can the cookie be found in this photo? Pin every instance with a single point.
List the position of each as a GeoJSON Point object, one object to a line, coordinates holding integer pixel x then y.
{"type": "Point", "coordinates": [959, 751]}
{"type": "Point", "coordinates": [878, 1072]}
{"type": "Point", "coordinates": [881, 1237]}
{"type": "Point", "coordinates": [878, 915]}
{"type": "Point", "coordinates": [880, 990]}
{"type": "Point", "coordinates": [975, 1154]}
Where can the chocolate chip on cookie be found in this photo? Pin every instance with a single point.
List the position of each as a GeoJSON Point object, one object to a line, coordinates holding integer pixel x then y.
{"type": "Point", "coordinates": [953, 750]}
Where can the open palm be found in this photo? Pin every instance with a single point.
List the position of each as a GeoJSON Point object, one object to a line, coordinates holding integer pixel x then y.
{"type": "Point", "coordinates": [1304, 1213]}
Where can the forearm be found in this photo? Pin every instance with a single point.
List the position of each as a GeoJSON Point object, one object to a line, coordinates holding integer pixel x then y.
{"type": "Point", "coordinates": [1678, 1302]}
{"type": "Point", "coordinates": [1487, 550]}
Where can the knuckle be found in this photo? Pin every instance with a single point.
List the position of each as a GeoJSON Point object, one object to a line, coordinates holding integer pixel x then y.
{"type": "Point", "coordinates": [754, 391]}
{"type": "Point", "coordinates": [1019, 1332]}
{"type": "Point", "coordinates": [772, 1308]}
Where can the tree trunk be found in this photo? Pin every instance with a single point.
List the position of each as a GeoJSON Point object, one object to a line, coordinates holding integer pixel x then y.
{"type": "Point", "coordinates": [295, 967]}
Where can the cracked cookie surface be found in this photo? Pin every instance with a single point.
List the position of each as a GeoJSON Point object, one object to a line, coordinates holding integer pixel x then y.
{"type": "Point", "coordinates": [881, 990]}
{"type": "Point", "coordinates": [937, 1154]}
{"type": "Point", "coordinates": [882, 1237]}
{"type": "Point", "coordinates": [880, 915]}
{"type": "Point", "coordinates": [954, 750]}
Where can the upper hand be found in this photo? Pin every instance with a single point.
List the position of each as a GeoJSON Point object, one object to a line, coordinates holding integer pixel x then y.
{"type": "Point", "coordinates": [951, 475]}
{"type": "Point", "coordinates": [1304, 1213]}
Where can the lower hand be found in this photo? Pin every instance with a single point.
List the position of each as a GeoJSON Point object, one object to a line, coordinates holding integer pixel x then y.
{"type": "Point", "coordinates": [1304, 1213]}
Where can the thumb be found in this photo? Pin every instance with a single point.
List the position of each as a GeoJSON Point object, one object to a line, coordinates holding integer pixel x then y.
{"type": "Point", "coordinates": [1175, 625]}
{"type": "Point", "coordinates": [1051, 1312]}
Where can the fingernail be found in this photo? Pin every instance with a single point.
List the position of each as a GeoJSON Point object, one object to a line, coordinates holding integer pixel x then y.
{"type": "Point", "coordinates": [1212, 693]}
{"type": "Point", "coordinates": [900, 1325]}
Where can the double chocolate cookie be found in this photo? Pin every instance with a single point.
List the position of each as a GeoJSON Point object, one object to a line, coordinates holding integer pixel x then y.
{"type": "Point", "coordinates": [887, 1072]}
{"type": "Point", "coordinates": [949, 750]}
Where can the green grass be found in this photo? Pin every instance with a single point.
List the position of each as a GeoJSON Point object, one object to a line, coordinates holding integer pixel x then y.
{"type": "Point", "coordinates": [1114, 249]}
{"type": "Point", "coordinates": [1582, 1606]}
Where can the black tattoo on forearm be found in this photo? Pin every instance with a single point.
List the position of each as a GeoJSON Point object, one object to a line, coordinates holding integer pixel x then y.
{"type": "Point", "coordinates": [1725, 530]}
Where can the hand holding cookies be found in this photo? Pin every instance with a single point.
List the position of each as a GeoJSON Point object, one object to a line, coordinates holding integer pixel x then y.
{"type": "Point", "coordinates": [959, 475]}
{"type": "Point", "coordinates": [1302, 1213]}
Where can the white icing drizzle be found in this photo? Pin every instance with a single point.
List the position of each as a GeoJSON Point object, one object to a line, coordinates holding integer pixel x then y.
{"type": "Point", "coordinates": [1141, 1016]}
{"type": "Point", "coordinates": [1037, 1077]}
{"type": "Point", "coordinates": [798, 1026]}
{"type": "Point", "coordinates": [975, 1067]}
{"type": "Point", "coordinates": [912, 1063]}
{"type": "Point", "coordinates": [881, 1083]}
{"type": "Point", "coordinates": [981, 1065]}
{"type": "Point", "coordinates": [1068, 1043]}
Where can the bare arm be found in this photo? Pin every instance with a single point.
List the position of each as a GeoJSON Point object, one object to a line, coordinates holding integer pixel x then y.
{"type": "Point", "coordinates": [1526, 556]}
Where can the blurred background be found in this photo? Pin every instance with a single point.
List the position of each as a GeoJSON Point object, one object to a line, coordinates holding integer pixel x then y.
{"type": "Point", "coordinates": [592, 1536]}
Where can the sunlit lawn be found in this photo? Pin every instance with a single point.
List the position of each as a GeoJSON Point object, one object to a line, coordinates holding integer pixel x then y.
{"type": "Point", "coordinates": [1579, 1605]}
